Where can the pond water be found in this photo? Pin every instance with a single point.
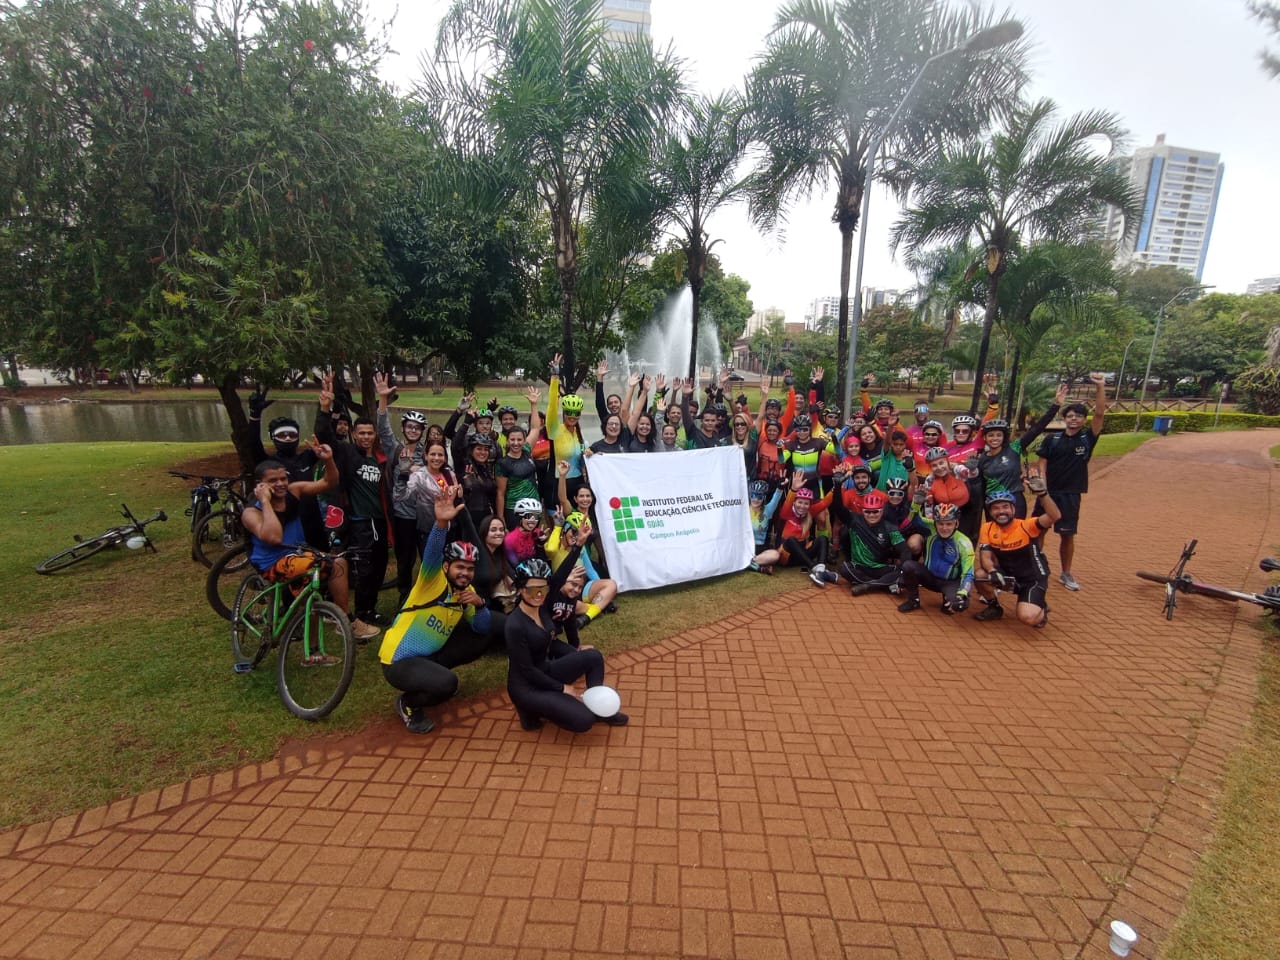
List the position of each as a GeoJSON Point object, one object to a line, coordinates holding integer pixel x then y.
{"type": "Point", "coordinates": [172, 421]}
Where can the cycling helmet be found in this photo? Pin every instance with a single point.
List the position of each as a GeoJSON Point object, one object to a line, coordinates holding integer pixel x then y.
{"type": "Point", "coordinates": [896, 485]}
{"type": "Point", "coordinates": [860, 467]}
{"type": "Point", "coordinates": [931, 425]}
{"type": "Point", "coordinates": [532, 569]}
{"type": "Point", "coordinates": [479, 440]}
{"type": "Point", "coordinates": [484, 413]}
{"type": "Point", "coordinates": [964, 420]}
{"type": "Point", "coordinates": [279, 422]}
{"type": "Point", "coordinates": [996, 424]}
{"type": "Point", "coordinates": [884, 402]}
{"type": "Point", "coordinates": [935, 453]}
{"type": "Point", "coordinates": [575, 520]}
{"type": "Point", "coordinates": [758, 490]}
{"type": "Point", "coordinates": [508, 408]}
{"type": "Point", "coordinates": [945, 511]}
{"type": "Point", "coordinates": [527, 507]}
{"type": "Point", "coordinates": [1000, 496]}
{"type": "Point", "coordinates": [461, 550]}
{"type": "Point", "coordinates": [413, 416]}
{"type": "Point", "coordinates": [831, 408]}
{"type": "Point", "coordinates": [773, 402]}
{"type": "Point", "coordinates": [804, 493]}
{"type": "Point", "coordinates": [719, 409]}
{"type": "Point", "coordinates": [571, 403]}
{"type": "Point", "coordinates": [875, 500]}
{"type": "Point", "coordinates": [802, 422]}
{"type": "Point", "coordinates": [773, 422]}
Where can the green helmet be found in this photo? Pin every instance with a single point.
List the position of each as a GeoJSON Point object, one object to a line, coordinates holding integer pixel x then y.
{"type": "Point", "coordinates": [571, 403]}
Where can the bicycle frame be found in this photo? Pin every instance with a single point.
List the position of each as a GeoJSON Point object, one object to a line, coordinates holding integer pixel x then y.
{"type": "Point", "coordinates": [308, 595]}
{"type": "Point", "coordinates": [1178, 580]}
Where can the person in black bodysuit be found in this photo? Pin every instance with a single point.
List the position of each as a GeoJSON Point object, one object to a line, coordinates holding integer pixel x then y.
{"type": "Point", "coordinates": [543, 667]}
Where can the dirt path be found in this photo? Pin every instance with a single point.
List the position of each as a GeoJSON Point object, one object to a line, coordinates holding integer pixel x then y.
{"type": "Point", "coordinates": [819, 777]}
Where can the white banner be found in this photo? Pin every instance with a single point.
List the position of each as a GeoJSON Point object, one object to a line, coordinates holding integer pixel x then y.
{"type": "Point", "coordinates": [670, 517]}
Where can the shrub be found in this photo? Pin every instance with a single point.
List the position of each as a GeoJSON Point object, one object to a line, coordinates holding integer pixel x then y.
{"type": "Point", "coordinates": [1188, 421]}
{"type": "Point", "coordinates": [1259, 388]}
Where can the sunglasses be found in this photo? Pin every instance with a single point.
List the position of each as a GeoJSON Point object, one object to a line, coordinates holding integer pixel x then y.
{"type": "Point", "coordinates": [285, 435]}
{"type": "Point", "coordinates": [535, 591]}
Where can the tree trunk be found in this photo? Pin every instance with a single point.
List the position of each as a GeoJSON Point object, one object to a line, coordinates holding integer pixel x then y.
{"type": "Point", "coordinates": [696, 262]}
{"type": "Point", "coordinates": [241, 430]}
{"type": "Point", "coordinates": [842, 324]}
{"type": "Point", "coordinates": [1014, 386]}
{"type": "Point", "coordinates": [988, 321]}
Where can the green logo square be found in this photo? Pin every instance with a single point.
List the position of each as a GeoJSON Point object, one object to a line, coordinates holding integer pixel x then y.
{"type": "Point", "coordinates": [617, 514]}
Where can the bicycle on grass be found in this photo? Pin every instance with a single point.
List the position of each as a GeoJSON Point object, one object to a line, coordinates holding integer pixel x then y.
{"type": "Point", "coordinates": [216, 505]}
{"type": "Point", "coordinates": [224, 578]}
{"type": "Point", "coordinates": [316, 656]}
{"type": "Point", "coordinates": [1178, 581]}
{"type": "Point", "coordinates": [133, 535]}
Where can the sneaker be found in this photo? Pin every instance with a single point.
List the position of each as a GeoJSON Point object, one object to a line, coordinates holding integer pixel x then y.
{"type": "Point", "coordinates": [909, 604]}
{"type": "Point", "coordinates": [363, 632]}
{"type": "Point", "coordinates": [830, 576]}
{"type": "Point", "coordinates": [817, 575]}
{"type": "Point", "coordinates": [617, 720]}
{"type": "Point", "coordinates": [611, 607]}
{"type": "Point", "coordinates": [419, 723]}
{"type": "Point", "coordinates": [534, 724]}
{"type": "Point", "coordinates": [402, 711]}
{"type": "Point", "coordinates": [581, 621]}
{"type": "Point", "coordinates": [1068, 581]}
{"type": "Point", "coordinates": [861, 589]}
{"type": "Point", "coordinates": [993, 612]}
{"type": "Point", "coordinates": [895, 588]}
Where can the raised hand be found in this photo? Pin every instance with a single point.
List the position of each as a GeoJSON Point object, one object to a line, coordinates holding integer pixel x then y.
{"type": "Point", "coordinates": [1036, 483]}
{"type": "Point", "coordinates": [797, 480]}
{"type": "Point", "coordinates": [1060, 397]}
{"type": "Point", "coordinates": [381, 385]}
{"type": "Point", "coordinates": [562, 468]}
{"type": "Point", "coordinates": [449, 505]}
{"type": "Point", "coordinates": [555, 364]}
{"type": "Point", "coordinates": [602, 370]}
{"type": "Point", "coordinates": [258, 402]}
{"type": "Point", "coordinates": [326, 392]}
{"type": "Point", "coordinates": [323, 450]}
{"type": "Point", "coordinates": [1098, 379]}
{"type": "Point", "coordinates": [466, 401]}
{"type": "Point", "coordinates": [661, 382]}
{"type": "Point", "coordinates": [633, 380]}
{"type": "Point", "coordinates": [818, 373]}
{"type": "Point", "coordinates": [533, 395]}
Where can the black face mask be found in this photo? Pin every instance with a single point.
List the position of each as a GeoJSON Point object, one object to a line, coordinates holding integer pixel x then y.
{"type": "Point", "coordinates": [286, 449]}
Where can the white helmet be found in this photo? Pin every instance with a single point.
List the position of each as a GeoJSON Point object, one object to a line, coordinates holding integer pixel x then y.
{"type": "Point", "coordinates": [528, 507]}
{"type": "Point", "coordinates": [413, 416]}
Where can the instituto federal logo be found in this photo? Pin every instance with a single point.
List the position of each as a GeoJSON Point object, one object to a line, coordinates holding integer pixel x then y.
{"type": "Point", "coordinates": [627, 518]}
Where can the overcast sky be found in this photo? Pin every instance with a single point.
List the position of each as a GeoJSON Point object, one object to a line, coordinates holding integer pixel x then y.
{"type": "Point", "coordinates": [1184, 68]}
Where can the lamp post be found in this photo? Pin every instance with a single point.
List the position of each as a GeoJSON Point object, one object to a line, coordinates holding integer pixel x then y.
{"type": "Point", "coordinates": [1123, 361]}
{"type": "Point", "coordinates": [998, 35]}
{"type": "Point", "coordinates": [1155, 338]}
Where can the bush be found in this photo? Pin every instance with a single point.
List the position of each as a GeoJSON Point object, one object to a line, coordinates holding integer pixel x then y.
{"type": "Point", "coordinates": [1259, 388]}
{"type": "Point", "coordinates": [1184, 421]}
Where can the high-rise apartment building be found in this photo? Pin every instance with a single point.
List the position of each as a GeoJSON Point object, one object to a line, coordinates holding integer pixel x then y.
{"type": "Point", "coordinates": [1179, 192]}
{"type": "Point", "coordinates": [1264, 285]}
{"type": "Point", "coordinates": [624, 18]}
{"type": "Point", "coordinates": [822, 314]}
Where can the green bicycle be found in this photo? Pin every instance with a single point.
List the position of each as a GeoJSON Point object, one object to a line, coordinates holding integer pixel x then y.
{"type": "Point", "coordinates": [317, 650]}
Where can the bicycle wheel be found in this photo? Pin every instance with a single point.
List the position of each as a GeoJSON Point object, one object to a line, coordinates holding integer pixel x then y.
{"type": "Point", "coordinates": [252, 620]}
{"type": "Point", "coordinates": [199, 511]}
{"type": "Point", "coordinates": [60, 561]}
{"type": "Point", "coordinates": [317, 660]}
{"type": "Point", "coordinates": [215, 534]}
{"type": "Point", "coordinates": [223, 582]}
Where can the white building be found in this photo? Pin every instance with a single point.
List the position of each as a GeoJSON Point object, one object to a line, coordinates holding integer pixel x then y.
{"type": "Point", "coordinates": [1179, 191]}
{"type": "Point", "coordinates": [761, 319]}
{"type": "Point", "coordinates": [822, 313]}
{"type": "Point", "coordinates": [1264, 285]}
{"type": "Point", "coordinates": [625, 18]}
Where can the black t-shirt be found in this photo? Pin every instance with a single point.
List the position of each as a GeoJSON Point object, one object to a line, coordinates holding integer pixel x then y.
{"type": "Point", "coordinates": [604, 446]}
{"type": "Point", "coordinates": [1067, 468]}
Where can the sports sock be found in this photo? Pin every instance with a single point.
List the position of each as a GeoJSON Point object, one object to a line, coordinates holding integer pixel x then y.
{"type": "Point", "coordinates": [592, 611]}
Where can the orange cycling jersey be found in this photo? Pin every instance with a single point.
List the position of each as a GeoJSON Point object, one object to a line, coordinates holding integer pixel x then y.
{"type": "Point", "coordinates": [1016, 536]}
{"type": "Point", "coordinates": [949, 489]}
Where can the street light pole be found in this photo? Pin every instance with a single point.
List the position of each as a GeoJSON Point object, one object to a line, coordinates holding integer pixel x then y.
{"type": "Point", "coordinates": [998, 35]}
{"type": "Point", "coordinates": [1123, 361]}
{"type": "Point", "coordinates": [1155, 338]}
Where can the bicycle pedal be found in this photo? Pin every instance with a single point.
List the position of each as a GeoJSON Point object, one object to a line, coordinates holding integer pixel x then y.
{"type": "Point", "coordinates": [242, 666]}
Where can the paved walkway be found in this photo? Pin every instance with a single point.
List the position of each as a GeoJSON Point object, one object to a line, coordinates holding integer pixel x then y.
{"type": "Point", "coordinates": [820, 777]}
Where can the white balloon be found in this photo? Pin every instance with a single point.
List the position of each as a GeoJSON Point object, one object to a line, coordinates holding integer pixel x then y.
{"type": "Point", "coordinates": [602, 701]}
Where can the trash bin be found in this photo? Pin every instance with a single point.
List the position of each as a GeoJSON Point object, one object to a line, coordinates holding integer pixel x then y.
{"type": "Point", "coordinates": [1162, 425]}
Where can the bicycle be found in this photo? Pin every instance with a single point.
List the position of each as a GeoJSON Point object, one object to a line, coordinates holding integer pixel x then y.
{"type": "Point", "coordinates": [133, 535]}
{"type": "Point", "coordinates": [224, 578]}
{"type": "Point", "coordinates": [317, 649]}
{"type": "Point", "coordinates": [1178, 581]}
{"type": "Point", "coordinates": [216, 505]}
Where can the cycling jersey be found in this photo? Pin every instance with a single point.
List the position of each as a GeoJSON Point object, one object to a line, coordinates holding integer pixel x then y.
{"type": "Point", "coordinates": [806, 455]}
{"type": "Point", "coordinates": [567, 443]}
{"type": "Point", "coordinates": [1017, 546]}
{"type": "Point", "coordinates": [558, 550]}
{"type": "Point", "coordinates": [949, 558]}
{"type": "Point", "coordinates": [430, 613]}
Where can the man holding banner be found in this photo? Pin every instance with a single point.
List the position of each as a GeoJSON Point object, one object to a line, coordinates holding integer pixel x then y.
{"type": "Point", "coordinates": [669, 518]}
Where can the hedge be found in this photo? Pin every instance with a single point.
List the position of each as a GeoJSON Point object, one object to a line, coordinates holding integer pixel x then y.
{"type": "Point", "coordinates": [1188, 421]}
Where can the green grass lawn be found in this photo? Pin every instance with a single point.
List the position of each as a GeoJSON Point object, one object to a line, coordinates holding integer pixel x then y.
{"type": "Point", "coordinates": [115, 674]}
{"type": "Point", "coordinates": [1118, 444]}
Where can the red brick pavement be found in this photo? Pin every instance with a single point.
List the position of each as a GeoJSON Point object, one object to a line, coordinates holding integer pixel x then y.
{"type": "Point", "coordinates": [818, 777]}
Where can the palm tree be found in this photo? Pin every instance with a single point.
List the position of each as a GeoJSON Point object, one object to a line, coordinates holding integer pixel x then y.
{"type": "Point", "coordinates": [537, 80]}
{"type": "Point", "coordinates": [833, 75]}
{"type": "Point", "coordinates": [1046, 285]}
{"type": "Point", "coordinates": [698, 174]}
{"type": "Point", "coordinates": [1031, 181]}
{"type": "Point", "coordinates": [945, 286]}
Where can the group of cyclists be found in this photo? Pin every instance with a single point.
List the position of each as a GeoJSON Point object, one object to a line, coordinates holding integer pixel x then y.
{"type": "Point", "coordinates": [491, 515]}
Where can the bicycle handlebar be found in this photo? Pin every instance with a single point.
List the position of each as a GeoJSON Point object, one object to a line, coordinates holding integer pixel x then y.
{"type": "Point", "coordinates": [209, 481]}
{"type": "Point", "coordinates": [1269, 564]}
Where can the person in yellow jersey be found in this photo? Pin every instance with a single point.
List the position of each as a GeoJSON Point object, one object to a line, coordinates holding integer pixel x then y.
{"type": "Point", "coordinates": [563, 414]}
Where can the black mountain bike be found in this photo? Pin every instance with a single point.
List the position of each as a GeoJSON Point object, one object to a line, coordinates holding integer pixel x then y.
{"type": "Point", "coordinates": [1178, 581]}
{"type": "Point", "coordinates": [216, 505]}
{"type": "Point", "coordinates": [132, 534]}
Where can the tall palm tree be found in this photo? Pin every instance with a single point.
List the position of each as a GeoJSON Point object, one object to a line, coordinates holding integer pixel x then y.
{"type": "Point", "coordinates": [538, 80]}
{"type": "Point", "coordinates": [945, 286]}
{"type": "Point", "coordinates": [1032, 180]}
{"type": "Point", "coordinates": [698, 174]}
{"type": "Point", "coordinates": [830, 79]}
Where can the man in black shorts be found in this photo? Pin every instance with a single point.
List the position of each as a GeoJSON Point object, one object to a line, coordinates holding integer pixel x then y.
{"type": "Point", "coordinates": [1009, 549]}
{"type": "Point", "coordinates": [1064, 463]}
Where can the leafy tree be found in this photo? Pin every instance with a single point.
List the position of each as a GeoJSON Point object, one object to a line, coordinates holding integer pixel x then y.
{"type": "Point", "coordinates": [1030, 181]}
{"type": "Point", "coordinates": [723, 295]}
{"type": "Point", "coordinates": [1215, 338]}
{"type": "Point", "coordinates": [1267, 12]}
{"type": "Point", "coordinates": [1150, 288]}
{"type": "Point", "coordinates": [769, 342]}
{"type": "Point", "coordinates": [934, 377]}
{"type": "Point", "coordinates": [698, 175]}
{"type": "Point", "coordinates": [830, 79]}
{"type": "Point", "coordinates": [897, 340]}
{"type": "Point", "coordinates": [1259, 388]}
{"type": "Point", "coordinates": [579, 114]}
{"type": "Point", "coordinates": [945, 286]}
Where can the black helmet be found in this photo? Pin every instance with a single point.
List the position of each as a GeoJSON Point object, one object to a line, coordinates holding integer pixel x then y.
{"type": "Point", "coordinates": [802, 422]}
{"type": "Point", "coordinates": [997, 424]}
{"type": "Point", "coordinates": [534, 569]}
{"type": "Point", "coordinates": [508, 408]}
{"type": "Point", "coordinates": [279, 422]}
